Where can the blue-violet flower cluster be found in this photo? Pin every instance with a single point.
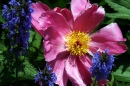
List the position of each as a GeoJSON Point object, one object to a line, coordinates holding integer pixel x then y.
{"type": "Point", "coordinates": [18, 21]}
{"type": "Point", "coordinates": [46, 77]}
{"type": "Point", "coordinates": [101, 65]}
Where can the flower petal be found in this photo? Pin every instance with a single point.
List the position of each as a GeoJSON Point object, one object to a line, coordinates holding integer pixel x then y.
{"type": "Point", "coordinates": [56, 19]}
{"type": "Point", "coordinates": [73, 73]}
{"type": "Point", "coordinates": [44, 20]}
{"type": "Point", "coordinates": [60, 22]}
{"type": "Point", "coordinates": [58, 66]}
{"type": "Point", "coordinates": [89, 19]}
{"type": "Point", "coordinates": [37, 27]}
{"type": "Point", "coordinates": [38, 8]}
{"type": "Point", "coordinates": [53, 44]}
{"type": "Point", "coordinates": [103, 82]}
{"type": "Point", "coordinates": [111, 33]}
{"type": "Point", "coordinates": [77, 6]}
{"type": "Point", "coordinates": [76, 72]}
{"type": "Point", "coordinates": [114, 47]}
{"type": "Point", "coordinates": [109, 37]}
{"type": "Point", "coordinates": [57, 9]}
{"type": "Point", "coordinates": [67, 14]}
{"type": "Point", "coordinates": [86, 61]}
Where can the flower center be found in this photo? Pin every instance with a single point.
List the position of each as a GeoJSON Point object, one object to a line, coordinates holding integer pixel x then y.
{"type": "Point", "coordinates": [77, 43]}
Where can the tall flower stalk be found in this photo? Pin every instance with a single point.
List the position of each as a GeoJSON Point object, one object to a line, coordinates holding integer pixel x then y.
{"type": "Point", "coordinates": [102, 63]}
{"type": "Point", "coordinates": [18, 22]}
{"type": "Point", "coordinates": [46, 77]}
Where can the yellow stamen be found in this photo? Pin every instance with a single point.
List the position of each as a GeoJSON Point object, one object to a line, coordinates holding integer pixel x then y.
{"type": "Point", "coordinates": [77, 43]}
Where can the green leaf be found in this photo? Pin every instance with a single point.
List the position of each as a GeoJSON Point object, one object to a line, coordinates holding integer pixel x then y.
{"type": "Point", "coordinates": [1, 19]}
{"type": "Point", "coordinates": [111, 81]}
{"type": "Point", "coordinates": [128, 35]}
{"type": "Point", "coordinates": [67, 1]}
{"type": "Point", "coordinates": [40, 57]}
{"type": "Point", "coordinates": [122, 84]}
{"type": "Point", "coordinates": [117, 7]}
{"type": "Point", "coordinates": [28, 71]}
{"type": "Point", "coordinates": [102, 3]}
{"type": "Point", "coordinates": [59, 3]}
{"type": "Point", "coordinates": [121, 6]}
{"type": "Point", "coordinates": [125, 3]}
{"type": "Point", "coordinates": [37, 41]}
{"type": "Point", "coordinates": [2, 47]}
{"type": "Point", "coordinates": [31, 36]}
{"type": "Point", "coordinates": [1, 62]}
{"type": "Point", "coordinates": [55, 3]}
{"type": "Point", "coordinates": [118, 15]}
{"type": "Point", "coordinates": [128, 41]}
{"type": "Point", "coordinates": [122, 75]}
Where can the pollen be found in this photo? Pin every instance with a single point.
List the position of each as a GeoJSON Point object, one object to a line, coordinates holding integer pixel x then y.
{"type": "Point", "coordinates": [77, 43]}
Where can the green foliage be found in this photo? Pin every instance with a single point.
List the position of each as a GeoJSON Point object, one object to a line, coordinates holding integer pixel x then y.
{"type": "Point", "coordinates": [28, 71]}
{"type": "Point", "coordinates": [1, 19]}
{"type": "Point", "coordinates": [121, 6]}
{"type": "Point", "coordinates": [35, 39]}
{"type": "Point", "coordinates": [118, 15]}
{"type": "Point", "coordinates": [3, 48]}
{"type": "Point", "coordinates": [59, 3]}
{"type": "Point", "coordinates": [55, 3]}
{"type": "Point", "coordinates": [122, 74]}
{"type": "Point", "coordinates": [27, 66]}
{"type": "Point", "coordinates": [128, 41]}
{"type": "Point", "coordinates": [111, 81]}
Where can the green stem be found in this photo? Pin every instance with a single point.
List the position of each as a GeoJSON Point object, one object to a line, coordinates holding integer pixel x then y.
{"type": "Point", "coordinates": [17, 70]}
{"type": "Point", "coordinates": [94, 84]}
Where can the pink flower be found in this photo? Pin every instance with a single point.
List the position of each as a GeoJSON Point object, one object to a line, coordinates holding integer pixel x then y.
{"type": "Point", "coordinates": [69, 41]}
{"type": "Point", "coordinates": [37, 19]}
